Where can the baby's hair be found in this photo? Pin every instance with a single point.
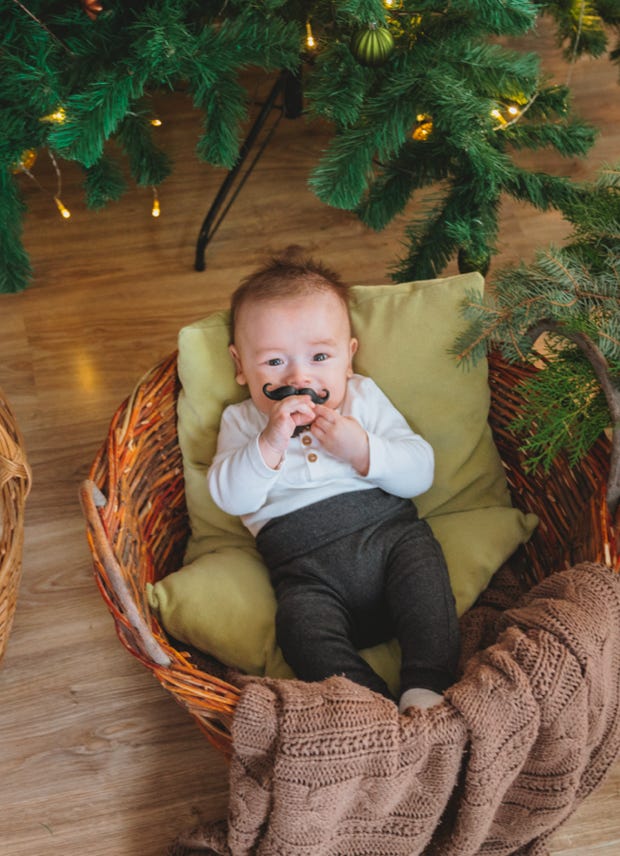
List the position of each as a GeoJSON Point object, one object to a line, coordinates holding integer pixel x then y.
{"type": "Point", "coordinates": [289, 274]}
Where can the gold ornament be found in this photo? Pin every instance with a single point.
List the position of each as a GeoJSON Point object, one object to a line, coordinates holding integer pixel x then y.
{"type": "Point", "coordinates": [423, 129]}
{"type": "Point", "coordinates": [26, 161]}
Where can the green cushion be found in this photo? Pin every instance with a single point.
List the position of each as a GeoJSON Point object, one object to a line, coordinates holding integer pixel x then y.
{"type": "Point", "coordinates": [222, 601]}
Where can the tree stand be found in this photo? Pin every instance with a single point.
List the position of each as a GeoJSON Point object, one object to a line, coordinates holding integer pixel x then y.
{"type": "Point", "coordinates": [287, 85]}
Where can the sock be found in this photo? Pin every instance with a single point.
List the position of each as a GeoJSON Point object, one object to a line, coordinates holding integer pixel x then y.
{"type": "Point", "coordinates": [418, 697]}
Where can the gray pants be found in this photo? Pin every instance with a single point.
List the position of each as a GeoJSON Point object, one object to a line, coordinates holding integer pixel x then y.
{"type": "Point", "coordinates": [355, 570]}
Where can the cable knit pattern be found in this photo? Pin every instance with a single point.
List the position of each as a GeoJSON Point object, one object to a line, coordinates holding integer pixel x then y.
{"type": "Point", "coordinates": [532, 726]}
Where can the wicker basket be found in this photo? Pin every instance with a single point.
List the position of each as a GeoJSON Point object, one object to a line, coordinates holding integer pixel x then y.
{"type": "Point", "coordinates": [15, 480]}
{"type": "Point", "coordinates": [137, 526]}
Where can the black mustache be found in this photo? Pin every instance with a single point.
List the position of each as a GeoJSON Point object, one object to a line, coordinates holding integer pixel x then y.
{"type": "Point", "coordinates": [284, 392]}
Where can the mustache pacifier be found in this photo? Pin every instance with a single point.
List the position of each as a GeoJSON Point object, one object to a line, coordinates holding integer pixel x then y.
{"type": "Point", "coordinates": [284, 391]}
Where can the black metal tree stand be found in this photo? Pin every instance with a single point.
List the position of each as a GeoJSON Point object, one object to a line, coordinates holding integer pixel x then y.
{"type": "Point", "coordinates": [288, 87]}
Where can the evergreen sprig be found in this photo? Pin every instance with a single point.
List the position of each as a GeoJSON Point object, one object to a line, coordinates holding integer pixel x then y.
{"type": "Point", "coordinates": [103, 183]}
{"type": "Point", "coordinates": [94, 115]}
{"type": "Point", "coordinates": [565, 307]}
{"type": "Point", "coordinates": [15, 267]}
{"type": "Point", "coordinates": [584, 27]}
{"type": "Point", "coordinates": [567, 411]}
{"type": "Point", "coordinates": [149, 165]}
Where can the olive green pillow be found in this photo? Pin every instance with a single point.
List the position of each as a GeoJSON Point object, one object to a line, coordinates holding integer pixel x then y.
{"type": "Point", "coordinates": [222, 601]}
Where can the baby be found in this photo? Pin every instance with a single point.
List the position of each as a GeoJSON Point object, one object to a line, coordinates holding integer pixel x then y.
{"type": "Point", "coordinates": [321, 468]}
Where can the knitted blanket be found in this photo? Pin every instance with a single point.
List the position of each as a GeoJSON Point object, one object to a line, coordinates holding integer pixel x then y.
{"type": "Point", "coordinates": [532, 726]}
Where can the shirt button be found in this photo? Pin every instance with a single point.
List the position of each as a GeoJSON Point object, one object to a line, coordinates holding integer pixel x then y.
{"type": "Point", "coordinates": [306, 440]}
{"type": "Point", "coordinates": [312, 457]}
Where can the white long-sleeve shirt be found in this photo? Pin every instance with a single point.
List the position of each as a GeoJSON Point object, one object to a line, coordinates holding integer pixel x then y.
{"type": "Point", "coordinates": [241, 483]}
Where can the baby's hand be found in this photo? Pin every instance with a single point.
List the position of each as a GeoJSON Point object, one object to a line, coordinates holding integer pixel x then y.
{"type": "Point", "coordinates": [284, 417]}
{"type": "Point", "coordinates": [343, 437]}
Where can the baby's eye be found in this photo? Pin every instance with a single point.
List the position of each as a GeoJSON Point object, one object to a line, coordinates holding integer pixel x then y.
{"type": "Point", "coordinates": [318, 358]}
{"type": "Point", "coordinates": [275, 361]}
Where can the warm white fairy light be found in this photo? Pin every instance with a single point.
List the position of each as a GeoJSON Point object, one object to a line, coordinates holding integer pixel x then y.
{"type": "Point", "coordinates": [156, 209]}
{"type": "Point", "coordinates": [515, 111]}
{"type": "Point", "coordinates": [63, 210]}
{"type": "Point", "coordinates": [57, 117]}
{"type": "Point", "coordinates": [25, 165]}
{"type": "Point", "coordinates": [310, 40]}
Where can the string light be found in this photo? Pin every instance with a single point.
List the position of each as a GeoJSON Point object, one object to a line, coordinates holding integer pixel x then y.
{"type": "Point", "coordinates": [573, 59]}
{"type": "Point", "coordinates": [515, 110]}
{"type": "Point", "coordinates": [42, 25]}
{"type": "Point", "coordinates": [156, 209]}
{"type": "Point", "coordinates": [27, 161]}
{"type": "Point", "coordinates": [310, 40]}
{"type": "Point", "coordinates": [156, 123]}
{"type": "Point", "coordinates": [64, 211]}
{"type": "Point", "coordinates": [57, 117]}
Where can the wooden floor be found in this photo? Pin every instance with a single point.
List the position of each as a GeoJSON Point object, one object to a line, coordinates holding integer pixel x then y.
{"type": "Point", "coordinates": [94, 756]}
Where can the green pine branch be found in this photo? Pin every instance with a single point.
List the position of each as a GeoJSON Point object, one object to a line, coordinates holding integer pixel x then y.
{"type": "Point", "coordinates": [149, 165]}
{"type": "Point", "coordinates": [15, 270]}
{"type": "Point", "coordinates": [567, 411]}
{"type": "Point", "coordinates": [94, 115]}
{"type": "Point", "coordinates": [582, 27]}
{"type": "Point", "coordinates": [430, 242]}
{"type": "Point", "coordinates": [103, 183]}
{"type": "Point", "coordinates": [417, 165]}
{"type": "Point", "coordinates": [570, 139]}
{"type": "Point", "coordinates": [338, 86]}
{"type": "Point", "coordinates": [569, 296]}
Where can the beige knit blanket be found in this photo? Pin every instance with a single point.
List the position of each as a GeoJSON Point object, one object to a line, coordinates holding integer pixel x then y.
{"type": "Point", "coordinates": [332, 769]}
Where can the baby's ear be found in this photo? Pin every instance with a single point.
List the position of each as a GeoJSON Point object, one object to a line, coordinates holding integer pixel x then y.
{"type": "Point", "coordinates": [239, 375]}
{"type": "Point", "coordinates": [353, 345]}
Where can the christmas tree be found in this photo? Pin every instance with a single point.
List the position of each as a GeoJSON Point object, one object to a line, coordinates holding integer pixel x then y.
{"type": "Point", "coordinates": [418, 94]}
{"type": "Point", "coordinates": [563, 309]}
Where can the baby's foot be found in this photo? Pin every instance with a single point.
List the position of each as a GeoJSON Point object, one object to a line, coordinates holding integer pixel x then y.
{"type": "Point", "coordinates": [418, 697]}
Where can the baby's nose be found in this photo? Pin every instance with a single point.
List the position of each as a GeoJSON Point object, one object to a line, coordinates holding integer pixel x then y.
{"type": "Point", "coordinates": [298, 376]}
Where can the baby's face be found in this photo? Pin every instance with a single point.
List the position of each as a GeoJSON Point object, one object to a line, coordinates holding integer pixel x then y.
{"type": "Point", "coordinates": [302, 342]}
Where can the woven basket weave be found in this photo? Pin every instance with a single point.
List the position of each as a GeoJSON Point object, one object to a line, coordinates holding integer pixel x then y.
{"type": "Point", "coordinates": [15, 481]}
{"type": "Point", "coordinates": [137, 525]}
